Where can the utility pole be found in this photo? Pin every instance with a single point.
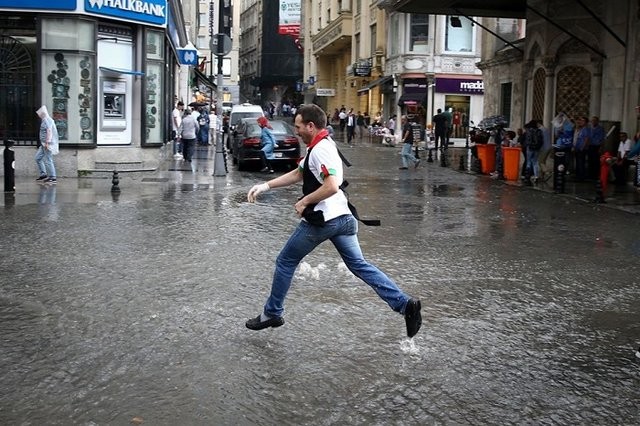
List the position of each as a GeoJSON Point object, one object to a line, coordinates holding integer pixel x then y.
{"type": "Point", "coordinates": [220, 165]}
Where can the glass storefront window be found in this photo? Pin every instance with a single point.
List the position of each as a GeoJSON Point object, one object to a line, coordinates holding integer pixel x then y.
{"type": "Point", "coordinates": [68, 34]}
{"type": "Point", "coordinates": [67, 90]}
{"type": "Point", "coordinates": [153, 104]}
{"type": "Point", "coordinates": [155, 45]}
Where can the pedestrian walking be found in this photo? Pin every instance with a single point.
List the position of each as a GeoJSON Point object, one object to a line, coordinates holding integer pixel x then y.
{"type": "Point", "coordinates": [268, 143]}
{"type": "Point", "coordinates": [213, 126]}
{"type": "Point", "coordinates": [325, 215]}
{"type": "Point", "coordinates": [440, 122]}
{"type": "Point", "coordinates": [188, 132]}
{"type": "Point", "coordinates": [391, 124]}
{"type": "Point", "coordinates": [534, 141]}
{"type": "Point", "coordinates": [176, 120]}
{"type": "Point", "coordinates": [407, 145]}
{"type": "Point", "coordinates": [47, 147]}
{"type": "Point", "coordinates": [351, 126]}
{"type": "Point", "coordinates": [203, 127]}
{"type": "Point", "coordinates": [596, 143]}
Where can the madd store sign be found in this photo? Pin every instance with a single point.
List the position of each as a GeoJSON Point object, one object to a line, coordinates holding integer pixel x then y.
{"type": "Point", "coordinates": [460, 85]}
{"type": "Point", "coordinates": [153, 12]}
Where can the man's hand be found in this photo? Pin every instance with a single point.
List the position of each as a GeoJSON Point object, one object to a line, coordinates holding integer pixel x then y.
{"type": "Point", "coordinates": [300, 206]}
{"type": "Point", "coordinates": [256, 190]}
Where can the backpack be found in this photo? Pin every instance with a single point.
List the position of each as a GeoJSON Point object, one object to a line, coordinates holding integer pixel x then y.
{"type": "Point", "coordinates": [534, 139]}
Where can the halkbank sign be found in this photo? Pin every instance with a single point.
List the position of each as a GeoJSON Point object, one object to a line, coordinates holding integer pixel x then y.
{"type": "Point", "coordinates": [152, 12]}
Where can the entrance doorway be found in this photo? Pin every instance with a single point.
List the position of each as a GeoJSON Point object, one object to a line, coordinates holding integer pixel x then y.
{"type": "Point", "coordinates": [459, 107]}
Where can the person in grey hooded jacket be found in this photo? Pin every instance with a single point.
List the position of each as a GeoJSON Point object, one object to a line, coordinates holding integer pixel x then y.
{"type": "Point", "coordinates": [47, 147]}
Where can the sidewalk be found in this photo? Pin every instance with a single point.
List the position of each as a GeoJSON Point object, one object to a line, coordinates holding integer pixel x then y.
{"type": "Point", "coordinates": [624, 198]}
{"type": "Point", "coordinates": [175, 174]}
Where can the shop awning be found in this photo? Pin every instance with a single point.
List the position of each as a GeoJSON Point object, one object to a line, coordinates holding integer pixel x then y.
{"type": "Point", "coordinates": [203, 79]}
{"type": "Point", "coordinates": [412, 99]}
{"type": "Point", "coordinates": [119, 71]}
{"type": "Point", "coordinates": [377, 82]}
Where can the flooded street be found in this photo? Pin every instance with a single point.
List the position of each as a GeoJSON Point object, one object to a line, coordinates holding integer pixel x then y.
{"type": "Point", "coordinates": [115, 308]}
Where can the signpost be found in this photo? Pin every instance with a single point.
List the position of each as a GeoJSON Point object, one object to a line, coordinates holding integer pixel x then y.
{"type": "Point", "coordinates": [220, 45]}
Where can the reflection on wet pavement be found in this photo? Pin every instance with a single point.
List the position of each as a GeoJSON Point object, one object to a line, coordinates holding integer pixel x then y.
{"type": "Point", "coordinates": [117, 308]}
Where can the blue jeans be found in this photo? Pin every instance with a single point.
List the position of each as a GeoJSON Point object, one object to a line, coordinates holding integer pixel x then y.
{"type": "Point", "coordinates": [407, 154]}
{"type": "Point", "coordinates": [532, 162]}
{"type": "Point", "coordinates": [44, 160]}
{"type": "Point", "coordinates": [342, 231]}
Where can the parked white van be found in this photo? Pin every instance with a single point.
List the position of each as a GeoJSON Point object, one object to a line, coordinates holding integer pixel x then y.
{"type": "Point", "coordinates": [238, 112]}
{"type": "Point", "coordinates": [245, 110]}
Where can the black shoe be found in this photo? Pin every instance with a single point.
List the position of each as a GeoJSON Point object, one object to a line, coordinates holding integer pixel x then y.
{"type": "Point", "coordinates": [50, 180]}
{"type": "Point", "coordinates": [41, 178]}
{"type": "Point", "coordinates": [264, 170]}
{"type": "Point", "coordinates": [412, 317]}
{"type": "Point", "coordinates": [403, 168]}
{"type": "Point", "coordinates": [256, 324]}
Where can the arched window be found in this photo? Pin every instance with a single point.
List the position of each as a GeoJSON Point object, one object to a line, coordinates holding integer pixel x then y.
{"type": "Point", "coordinates": [573, 91]}
{"type": "Point", "coordinates": [539, 85]}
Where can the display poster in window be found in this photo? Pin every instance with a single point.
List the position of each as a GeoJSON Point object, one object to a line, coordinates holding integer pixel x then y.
{"type": "Point", "coordinates": [69, 95]}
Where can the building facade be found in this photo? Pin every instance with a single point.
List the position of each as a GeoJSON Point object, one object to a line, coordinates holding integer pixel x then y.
{"type": "Point", "coordinates": [107, 72]}
{"type": "Point", "coordinates": [271, 58]}
{"type": "Point", "coordinates": [579, 58]}
{"type": "Point", "coordinates": [202, 22]}
{"type": "Point", "coordinates": [363, 57]}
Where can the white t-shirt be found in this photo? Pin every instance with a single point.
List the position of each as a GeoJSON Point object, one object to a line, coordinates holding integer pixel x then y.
{"type": "Point", "coordinates": [624, 148]}
{"type": "Point", "coordinates": [325, 153]}
{"type": "Point", "coordinates": [176, 120]}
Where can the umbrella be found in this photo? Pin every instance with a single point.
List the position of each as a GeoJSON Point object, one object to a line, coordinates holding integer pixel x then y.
{"type": "Point", "coordinates": [492, 121]}
{"type": "Point", "coordinates": [198, 104]}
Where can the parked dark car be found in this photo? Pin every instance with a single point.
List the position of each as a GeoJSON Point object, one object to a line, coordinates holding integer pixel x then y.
{"type": "Point", "coordinates": [246, 143]}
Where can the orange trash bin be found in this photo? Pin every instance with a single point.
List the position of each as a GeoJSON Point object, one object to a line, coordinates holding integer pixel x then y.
{"type": "Point", "coordinates": [511, 157]}
{"type": "Point", "coordinates": [487, 157]}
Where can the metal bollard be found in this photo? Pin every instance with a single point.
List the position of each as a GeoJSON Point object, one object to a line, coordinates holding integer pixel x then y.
{"type": "Point", "coordinates": [9, 166]}
{"type": "Point", "coordinates": [115, 182]}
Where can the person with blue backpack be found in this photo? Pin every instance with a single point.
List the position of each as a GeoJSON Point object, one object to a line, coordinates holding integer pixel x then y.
{"type": "Point", "coordinates": [533, 140]}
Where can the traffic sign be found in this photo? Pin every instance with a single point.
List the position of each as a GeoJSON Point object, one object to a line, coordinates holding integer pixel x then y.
{"type": "Point", "coordinates": [220, 49]}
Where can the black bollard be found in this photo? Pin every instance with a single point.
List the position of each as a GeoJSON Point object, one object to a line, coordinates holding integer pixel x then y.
{"type": "Point", "coordinates": [559, 169]}
{"type": "Point", "coordinates": [9, 167]}
{"type": "Point", "coordinates": [461, 165]}
{"type": "Point", "coordinates": [430, 157]}
{"type": "Point", "coordinates": [115, 182]}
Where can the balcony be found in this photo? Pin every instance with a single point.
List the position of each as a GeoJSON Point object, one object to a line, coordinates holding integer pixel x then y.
{"type": "Point", "coordinates": [335, 38]}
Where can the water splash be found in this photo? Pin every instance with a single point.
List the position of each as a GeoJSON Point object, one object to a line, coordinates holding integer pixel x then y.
{"type": "Point", "coordinates": [305, 270]}
{"type": "Point", "coordinates": [408, 346]}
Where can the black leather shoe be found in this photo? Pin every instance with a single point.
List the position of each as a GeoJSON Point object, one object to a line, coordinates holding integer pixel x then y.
{"type": "Point", "coordinates": [256, 324]}
{"type": "Point", "coordinates": [412, 317]}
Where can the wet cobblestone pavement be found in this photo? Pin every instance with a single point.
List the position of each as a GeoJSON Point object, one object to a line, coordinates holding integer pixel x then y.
{"type": "Point", "coordinates": [131, 307]}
